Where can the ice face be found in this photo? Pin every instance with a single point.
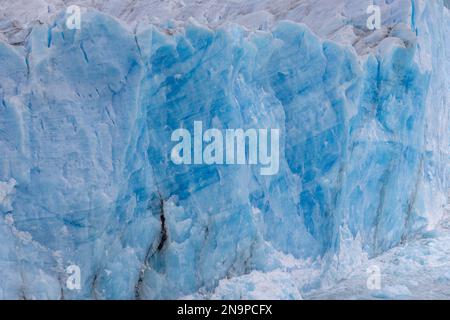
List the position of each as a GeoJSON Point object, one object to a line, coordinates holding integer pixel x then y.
{"type": "Point", "coordinates": [86, 177]}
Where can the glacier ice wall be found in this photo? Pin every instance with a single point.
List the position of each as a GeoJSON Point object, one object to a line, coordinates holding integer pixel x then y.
{"type": "Point", "coordinates": [86, 179]}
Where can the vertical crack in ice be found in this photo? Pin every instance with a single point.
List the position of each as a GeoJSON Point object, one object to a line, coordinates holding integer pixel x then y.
{"type": "Point", "coordinates": [85, 56]}
{"type": "Point", "coordinates": [412, 202]}
{"type": "Point", "coordinates": [150, 253]}
{"type": "Point", "coordinates": [61, 288]}
{"type": "Point", "coordinates": [380, 208]}
{"type": "Point", "coordinates": [413, 17]}
{"type": "Point", "coordinates": [94, 286]}
{"type": "Point", "coordinates": [138, 46]}
{"type": "Point", "coordinates": [163, 235]}
{"type": "Point", "coordinates": [50, 35]}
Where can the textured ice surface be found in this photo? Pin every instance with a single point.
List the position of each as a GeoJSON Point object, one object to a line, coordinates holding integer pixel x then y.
{"type": "Point", "coordinates": [85, 123]}
{"type": "Point", "coordinates": [416, 270]}
{"type": "Point", "coordinates": [343, 21]}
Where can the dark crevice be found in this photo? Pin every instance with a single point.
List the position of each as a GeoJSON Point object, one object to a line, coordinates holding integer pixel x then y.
{"type": "Point", "coordinates": [18, 44]}
{"type": "Point", "coordinates": [138, 47]}
{"type": "Point", "coordinates": [27, 62]}
{"type": "Point", "coordinates": [61, 288]}
{"type": "Point", "coordinates": [163, 237]}
{"type": "Point", "coordinates": [151, 252]}
{"type": "Point", "coordinates": [94, 285]}
{"type": "Point", "coordinates": [50, 35]}
{"type": "Point", "coordinates": [22, 295]}
{"type": "Point", "coordinates": [85, 56]}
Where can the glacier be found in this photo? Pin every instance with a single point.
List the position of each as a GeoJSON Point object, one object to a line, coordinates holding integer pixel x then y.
{"type": "Point", "coordinates": [86, 177]}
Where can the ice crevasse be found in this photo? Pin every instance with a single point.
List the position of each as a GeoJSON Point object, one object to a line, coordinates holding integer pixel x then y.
{"type": "Point", "coordinates": [86, 177]}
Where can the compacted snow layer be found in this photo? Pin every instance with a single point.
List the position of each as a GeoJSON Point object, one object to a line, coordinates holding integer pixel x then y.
{"type": "Point", "coordinates": [343, 21]}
